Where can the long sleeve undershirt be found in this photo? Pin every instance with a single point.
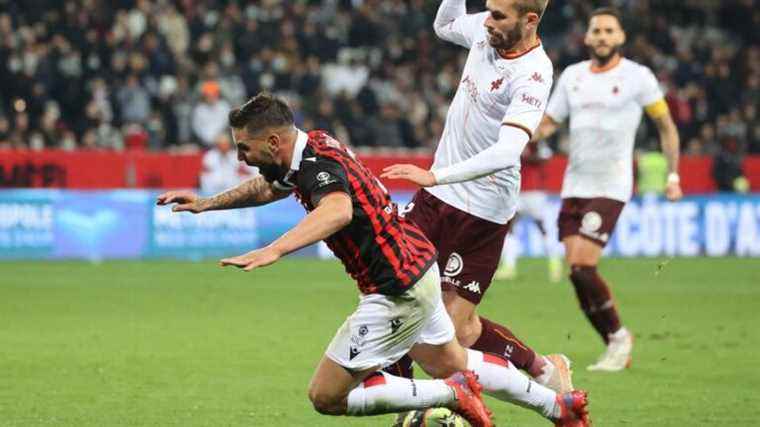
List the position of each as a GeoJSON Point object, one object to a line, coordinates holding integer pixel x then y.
{"type": "Point", "coordinates": [505, 153]}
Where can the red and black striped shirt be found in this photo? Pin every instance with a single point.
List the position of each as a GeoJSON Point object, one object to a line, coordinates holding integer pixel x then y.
{"type": "Point", "coordinates": [381, 250]}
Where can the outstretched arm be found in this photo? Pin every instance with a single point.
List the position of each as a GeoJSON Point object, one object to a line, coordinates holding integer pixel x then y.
{"type": "Point", "coordinates": [501, 155]}
{"type": "Point", "coordinates": [253, 192]}
{"type": "Point", "coordinates": [334, 212]}
{"type": "Point", "coordinates": [452, 23]}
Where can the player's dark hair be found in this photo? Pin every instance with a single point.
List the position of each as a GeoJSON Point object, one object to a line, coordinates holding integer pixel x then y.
{"type": "Point", "coordinates": [609, 11]}
{"type": "Point", "coordinates": [536, 6]}
{"type": "Point", "coordinates": [261, 112]}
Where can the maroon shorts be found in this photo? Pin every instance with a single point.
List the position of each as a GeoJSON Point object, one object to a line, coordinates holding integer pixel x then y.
{"type": "Point", "coordinates": [469, 248]}
{"type": "Point", "coordinates": [593, 219]}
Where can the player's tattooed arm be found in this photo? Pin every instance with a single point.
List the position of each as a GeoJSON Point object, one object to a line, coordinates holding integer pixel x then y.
{"type": "Point", "coordinates": [253, 192]}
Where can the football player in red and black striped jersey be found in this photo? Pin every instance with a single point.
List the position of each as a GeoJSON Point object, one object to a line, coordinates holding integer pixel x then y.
{"type": "Point", "coordinates": [400, 310]}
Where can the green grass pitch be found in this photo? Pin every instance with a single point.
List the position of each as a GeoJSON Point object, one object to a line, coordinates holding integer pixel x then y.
{"type": "Point", "coordinates": [191, 344]}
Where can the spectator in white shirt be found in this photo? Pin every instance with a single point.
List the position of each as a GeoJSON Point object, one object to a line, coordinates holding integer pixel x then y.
{"type": "Point", "coordinates": [210, 115]}
{"type": "Point", "coordinates": [221, 168]}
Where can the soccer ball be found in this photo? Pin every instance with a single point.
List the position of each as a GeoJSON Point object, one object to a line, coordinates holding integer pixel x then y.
{"type": "Point", "coordinates": [433, 417]}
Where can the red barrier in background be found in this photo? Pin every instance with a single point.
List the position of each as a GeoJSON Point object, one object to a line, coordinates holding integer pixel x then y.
{"type": "Point", "coordinates": [138, 169]}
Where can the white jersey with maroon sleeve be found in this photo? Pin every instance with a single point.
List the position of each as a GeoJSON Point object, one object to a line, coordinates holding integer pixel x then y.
{"type": "Point", "coordinates": [605, 110]}
{"type": "Point", "coordinates": [494, 91]}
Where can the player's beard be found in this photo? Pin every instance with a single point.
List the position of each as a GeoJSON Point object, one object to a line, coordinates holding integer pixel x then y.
{"type": "Point", "coordinates": [603, 60]}
{"type": "Point", "coordinates": [507, 41]}
{"type": "Point", "coordinates": [272, 172]}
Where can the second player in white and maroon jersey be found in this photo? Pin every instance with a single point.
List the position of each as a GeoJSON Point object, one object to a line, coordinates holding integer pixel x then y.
{"type": "Point", "coordinates": [471, 191]}
{"type": "Point", "coordinates": [494, 92]}
{"type": "Point", "coordinates": [605, 109]}
{"type": "Point", "coordinates": [604, 98]}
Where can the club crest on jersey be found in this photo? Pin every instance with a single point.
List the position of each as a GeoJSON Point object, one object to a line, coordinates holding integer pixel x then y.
{"type": "Point", "coordinates": [592, 221]}
{"type": "Point", "coordinates": [537, 77]}
{"type": "Point", "coordinates": [615, 90]}
{"type": "Point", "coordinates": [454, 265]}
{"type": "Point", "coordinates": [496, 84]}
{"type": "Point", "coordinates": [590, 225]}
{"type": "Point", "coordinates": [323, 176]}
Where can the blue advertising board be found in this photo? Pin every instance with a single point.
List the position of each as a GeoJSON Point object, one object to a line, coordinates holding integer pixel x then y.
{"type": "Point", "coordinates": [95, 225]}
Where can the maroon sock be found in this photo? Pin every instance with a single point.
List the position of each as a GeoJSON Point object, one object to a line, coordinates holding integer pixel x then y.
{"type": "Point", "coordinates": [595, 299]}
{"type": "Point", "coordinates": [499, 340]}
{"type": "Point", "coordinates": [402, 368]}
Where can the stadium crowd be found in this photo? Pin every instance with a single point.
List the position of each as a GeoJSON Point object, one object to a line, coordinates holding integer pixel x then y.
{"type": "Point", "coordinates": [162, 74]}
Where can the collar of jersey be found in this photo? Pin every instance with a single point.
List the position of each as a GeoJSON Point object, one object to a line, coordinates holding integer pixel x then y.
{"type": "Point", "coordinates": [298, 148]}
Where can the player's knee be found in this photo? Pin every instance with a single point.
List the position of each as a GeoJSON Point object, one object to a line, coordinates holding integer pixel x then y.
{"type": "Point", "coordinates": [582, 275]}
{"type": "Point", "coordinates": [467, 331]}
{"type": "Point", "coordinates": [326, 403]}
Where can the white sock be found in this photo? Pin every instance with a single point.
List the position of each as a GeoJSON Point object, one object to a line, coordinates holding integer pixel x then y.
{"type": "Point", "coordinates": [500, 379]}
{"type": "Point", "coordinates": [619, 334]}
{"type": "Point", "coordinates": [509, 252]}
{"type": "Point", "coordinates": [382, 393]}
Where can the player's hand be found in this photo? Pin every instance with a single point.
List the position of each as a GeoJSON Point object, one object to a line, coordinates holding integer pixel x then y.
{"type": "Point", "coordinates": [254, 259]}
{"type": "Point", "coordinates": [183, 200]}
{"type": "Point", "coordinates": [412, 173]}
{"type": "Point", "coordinates": [673, 191]}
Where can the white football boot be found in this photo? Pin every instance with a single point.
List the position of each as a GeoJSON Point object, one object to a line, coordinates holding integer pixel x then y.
{"type": "Point", "coordinates": [618, 354]}
{"type": "Point", "coordinates": [557, 374]}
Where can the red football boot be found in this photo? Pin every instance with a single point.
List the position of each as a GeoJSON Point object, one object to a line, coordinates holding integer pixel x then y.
{"type": "Point", "coordinates": [573, 409]}
{"type": "Point", "coordinates": [469, 403]}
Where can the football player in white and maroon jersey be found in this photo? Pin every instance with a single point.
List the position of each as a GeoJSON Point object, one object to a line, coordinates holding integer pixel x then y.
{"type": "Point", "coordinates": [532, 206]}
{"type": "Point", "coordinates": [471, 191]}
{"type": "Point", "coordinates": [604, 98]}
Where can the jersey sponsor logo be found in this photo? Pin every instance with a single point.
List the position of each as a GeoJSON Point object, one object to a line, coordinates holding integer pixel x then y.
{"type": "Point", "coordinates": [471, 88]}
{"type": "Point", "coordinates": [363, 330]}
{"type": "Point", "coordinates": [531, 100]}
{"type": "Point", "coordinates": [454, 265]}
{"type": "Point", "coordinates": [496, 84]}
{"type": "Point", "coordinates": [473, 286]}
{"type": "Point", "coordinates": [537, 77]}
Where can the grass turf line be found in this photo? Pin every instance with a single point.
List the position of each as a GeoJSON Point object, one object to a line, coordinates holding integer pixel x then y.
{"type": "Point", "coordinates": [190, 344]}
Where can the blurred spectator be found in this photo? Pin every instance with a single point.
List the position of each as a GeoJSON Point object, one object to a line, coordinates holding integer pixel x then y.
{"type": "Point", "coordinates": [133, 100]}
{"type": "Point", "coordinates": [94, 72]}
{"type": "Point", "coordinates": [727, 166]}
{"type": "Point", "coordinates": [210, 115]}
{"type": "Point", "coordinates": [221, 168]}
